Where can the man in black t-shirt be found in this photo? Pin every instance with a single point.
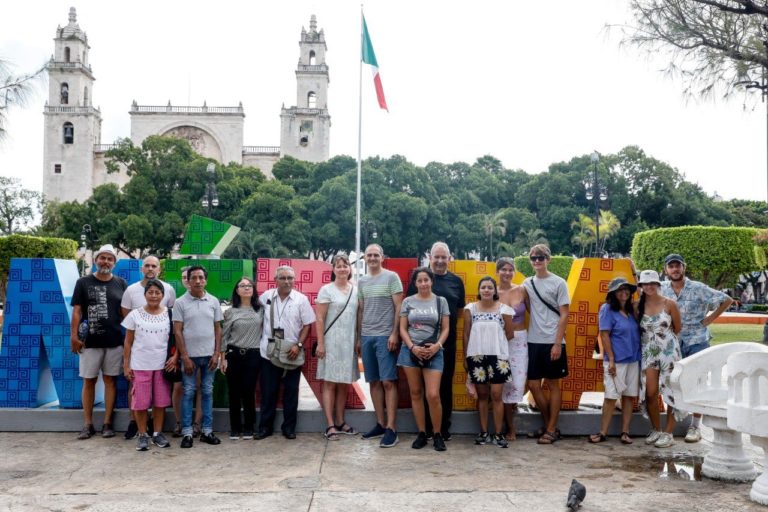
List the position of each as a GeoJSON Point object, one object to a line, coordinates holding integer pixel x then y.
{"type": "Point", "coordinates": [449, 285]}
{"type": "Point", "coordinates": [95, 335]}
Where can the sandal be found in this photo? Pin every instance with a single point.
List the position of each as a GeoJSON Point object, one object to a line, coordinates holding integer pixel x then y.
{"type": "Point", "coordinates": [331, 436]}
{"type": "Point", "coordinates": [536, 433]}
{"type": "Point", "coordinates": [625, 439]}
{"type": "Point", "coordinates": [598, 438]}
{"type": "Point", "coordinates": [350, 430]}
{"type": "Point", "coordinates": [548, 438]}
{"type": "Point", "coordinates": [510, 436]}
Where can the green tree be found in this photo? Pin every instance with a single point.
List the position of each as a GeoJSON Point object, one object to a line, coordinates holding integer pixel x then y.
{"type": "Point", "coordinates": [18, 206]}
{"type": "Point", "coordinates": [712, 44]}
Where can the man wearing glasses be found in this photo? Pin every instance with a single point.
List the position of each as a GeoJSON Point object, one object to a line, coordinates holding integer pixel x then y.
{"type": "Point", "coordinates": [287, 315]}
{"type": "Point", "coordinates": [548, 301]}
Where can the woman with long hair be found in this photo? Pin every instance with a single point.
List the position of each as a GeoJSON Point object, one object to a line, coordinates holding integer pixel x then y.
{"type": "Point", "coordinates": [241, 361]}
{"type": "Point", "coordinates": [487, 327]}
{"type": "Point", "coordinates": [337, 348]}
{"type": "Point", "coordinates": [424, 325]}
{"type": "Point", "coordinates": [660, 324]}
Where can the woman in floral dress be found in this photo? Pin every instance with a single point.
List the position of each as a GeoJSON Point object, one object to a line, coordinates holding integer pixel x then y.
{"type": "Point", "coordinates": [487, 327]}
{"type": "Point", "coordinates": [660, 324]}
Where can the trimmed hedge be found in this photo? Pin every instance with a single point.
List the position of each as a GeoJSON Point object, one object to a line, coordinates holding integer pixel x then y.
{"type": "Point", "coordinates": [558, 265]}
{"type": "Point", "coordinates": [714, 255]}
{"type": "Point", "coordinates": [24, 246]}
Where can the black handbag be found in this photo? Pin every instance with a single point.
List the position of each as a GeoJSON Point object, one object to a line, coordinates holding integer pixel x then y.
{"type": "Point", "coordinates": [172, 375]}
{"type": "Point", "coordinates": [432, 339]}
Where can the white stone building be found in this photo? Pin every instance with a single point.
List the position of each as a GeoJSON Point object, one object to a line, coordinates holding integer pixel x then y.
{"type": "Point", "coordinates": [74, 157]}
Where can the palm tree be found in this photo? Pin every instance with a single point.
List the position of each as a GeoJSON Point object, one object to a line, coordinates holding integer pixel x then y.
{"type": "Point", "coordinates": [609, 226]}
{"type": "Point", "coordinates": [15, 91]}
{"type": "Point", "coordinates": [585, 232]}
{"type": "Point", "coordinates": [530, 237]}
{"type": "Point", "coordinates": [494, 222]}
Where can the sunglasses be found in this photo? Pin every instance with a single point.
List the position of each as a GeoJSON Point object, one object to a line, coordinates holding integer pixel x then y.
{"type": "Point", "coordinates": [245, 286]}
{"type": "Point", "coordinates": [538, 258]}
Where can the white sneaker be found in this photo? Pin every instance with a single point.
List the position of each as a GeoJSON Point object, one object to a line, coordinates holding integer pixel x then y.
{"type": "Point", "coordinates": [693, 435]}
{"type": "Point", "coordinates": [652, 437]}
{"type": "Point", "coordinates": [665, 440]}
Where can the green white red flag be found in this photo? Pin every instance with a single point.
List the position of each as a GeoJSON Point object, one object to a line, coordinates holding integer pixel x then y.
{"type": "Point", "coordinates": [369, 57]}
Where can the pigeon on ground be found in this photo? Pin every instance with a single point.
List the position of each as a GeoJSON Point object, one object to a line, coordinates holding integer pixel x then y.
{"type": "Point", "coordinates": [576, 494]}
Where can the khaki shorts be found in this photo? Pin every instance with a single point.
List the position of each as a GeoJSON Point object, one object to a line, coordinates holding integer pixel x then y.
{"type": "Point", "coordinates": [107, 360]}
{"type": "Point", "coordinates": [625, 383]}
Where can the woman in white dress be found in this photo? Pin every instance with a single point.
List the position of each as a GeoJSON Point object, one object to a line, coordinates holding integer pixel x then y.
{"type": "Point", "coordinates": [337, 350]}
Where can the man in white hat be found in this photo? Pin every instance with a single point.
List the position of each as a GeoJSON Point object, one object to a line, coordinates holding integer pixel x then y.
{"type": "Point", "coordinates": [95, 335]}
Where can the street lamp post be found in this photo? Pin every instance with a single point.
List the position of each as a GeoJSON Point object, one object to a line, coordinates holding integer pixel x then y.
{"type": "Point", "coordinates": [370, 230]}
{"type": "Point", "coordinates": [211, 198]}
{"type": "Point", "coordinates": [85, 234]}
{"type": "Point", "coordinates": [594, 191]}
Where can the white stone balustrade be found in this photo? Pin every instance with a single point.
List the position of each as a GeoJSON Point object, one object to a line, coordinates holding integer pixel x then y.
{"type": "Point", "coordinates": [700, 385]}
{"type": "Point", "coordinates": [748, 408]}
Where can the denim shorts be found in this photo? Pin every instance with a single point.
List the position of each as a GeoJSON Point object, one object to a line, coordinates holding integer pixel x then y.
{"type": "Point", "coordinates": [378, 362]}
{"type": "Point", "coordinates": [436, 363]}
{"type": "Point", "coordinates": [689, 350]}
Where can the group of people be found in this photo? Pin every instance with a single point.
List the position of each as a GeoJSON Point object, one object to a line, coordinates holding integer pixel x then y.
{"type": "Point", "coordinates": [643, 340]}
{"type": "Point", "coordinates": [173, 347]}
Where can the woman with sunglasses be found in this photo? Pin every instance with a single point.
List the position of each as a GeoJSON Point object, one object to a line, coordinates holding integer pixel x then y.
{"type": "Point", "coordinates": [241, 357]}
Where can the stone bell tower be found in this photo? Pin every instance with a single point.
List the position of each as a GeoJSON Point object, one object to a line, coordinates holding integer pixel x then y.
{"type": "Point", "coordinates": [305, 128]}
{"type": "Point", "coordinates": [72, 124]}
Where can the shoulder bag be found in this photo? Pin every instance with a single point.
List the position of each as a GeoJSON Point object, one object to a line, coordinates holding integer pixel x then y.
{"type": "Point", "coordinates": [278, 347]}
{"type": "Point", "coordinates": [175, 374]}
{"type": "Point", "coordinates": [325, 331]}
{"type": "Point", "coordinates": [549, 306]}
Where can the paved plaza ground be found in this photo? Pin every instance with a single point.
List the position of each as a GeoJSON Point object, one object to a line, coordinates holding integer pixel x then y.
{"type": "Point", "coordinates": [54, 471]}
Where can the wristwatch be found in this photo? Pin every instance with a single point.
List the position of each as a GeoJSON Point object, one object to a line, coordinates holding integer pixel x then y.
{"type": "Point", "coordinates": [300, 344]}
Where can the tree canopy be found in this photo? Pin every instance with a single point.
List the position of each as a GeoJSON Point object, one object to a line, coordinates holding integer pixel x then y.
{"type": "Point", "coordinates": [713, 44]}
{"type": "Point", "coordinates": [482, 210]}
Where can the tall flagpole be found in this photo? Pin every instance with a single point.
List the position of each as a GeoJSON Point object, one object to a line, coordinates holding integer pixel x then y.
{"type": "Point", "coordinates": [359, 151]}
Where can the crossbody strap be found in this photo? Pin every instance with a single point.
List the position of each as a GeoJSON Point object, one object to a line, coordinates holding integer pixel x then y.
{"type": "Point", "coordinates": [550, 306]}
{"type": "Point", "coordinates": [340, 312]}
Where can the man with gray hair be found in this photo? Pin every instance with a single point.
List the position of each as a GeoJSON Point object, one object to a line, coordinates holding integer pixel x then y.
{"type": "Point", "coordinates": [96, 336]}
{"type": "Point", "coordinates": [449, 285]}
{"type": "Point", "coordinates": [289, 316]}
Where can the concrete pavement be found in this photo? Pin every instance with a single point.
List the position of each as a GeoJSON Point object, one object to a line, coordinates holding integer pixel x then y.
{"type": "Point", "coordinates": [54, 471]}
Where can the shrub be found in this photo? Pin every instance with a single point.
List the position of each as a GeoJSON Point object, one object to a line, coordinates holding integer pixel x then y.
{"type": "Point", "coordinates": [24, 246]}
{"type": "Point", "coordinates": [714, 255]}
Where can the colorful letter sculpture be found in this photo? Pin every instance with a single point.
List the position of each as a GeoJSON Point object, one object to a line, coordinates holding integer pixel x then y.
{"type": "Point", "coordinates": [206, 236]}
{"type": "Point", "coordinates": [36, 363]}
{"type": "Point", "coordinates": [587, 285]}
{"type": "Point", "coordinates": [311, 275]}
{"type": "Point", "coordinates": [222, 275]}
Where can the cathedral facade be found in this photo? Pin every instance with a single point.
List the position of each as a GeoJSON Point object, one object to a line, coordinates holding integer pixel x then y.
{"type": "Point", "coordinates": [74, 157]}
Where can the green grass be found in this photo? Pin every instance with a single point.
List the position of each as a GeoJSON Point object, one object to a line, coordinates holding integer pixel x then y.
{"type": "Point", "coordinates": [726, 333]}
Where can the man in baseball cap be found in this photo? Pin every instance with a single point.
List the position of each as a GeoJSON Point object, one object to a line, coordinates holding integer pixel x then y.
{"type": "Point", "coordinates": [695, 300]}
{"type": "Point", "coordinates": [95, 335]}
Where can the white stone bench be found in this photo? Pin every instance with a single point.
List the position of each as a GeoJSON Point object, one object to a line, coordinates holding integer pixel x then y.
{"type": "Point", "coordinates": [700, 385]}
{"type": "Point", "coordinates": [748, 408]}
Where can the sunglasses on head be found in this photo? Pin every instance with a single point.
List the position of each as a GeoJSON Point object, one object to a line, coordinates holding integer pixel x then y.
{"type": "Point", "coordinates": [538, 258]}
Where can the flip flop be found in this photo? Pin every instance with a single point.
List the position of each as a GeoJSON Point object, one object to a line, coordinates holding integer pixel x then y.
{"type": "Point", "coordinates": [536, 433]}
{"type": "Point", "coordinates": [625, 439]}
{"type": "Point", "coordinates": [331, 436]}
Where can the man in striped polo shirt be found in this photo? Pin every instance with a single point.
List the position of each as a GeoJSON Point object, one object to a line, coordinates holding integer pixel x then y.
{"type": "Point", "coordinates": [380, 294]}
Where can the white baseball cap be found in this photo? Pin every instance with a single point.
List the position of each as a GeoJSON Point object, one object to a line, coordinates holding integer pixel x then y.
{"type": "Point", "coordinates": [648, 277]}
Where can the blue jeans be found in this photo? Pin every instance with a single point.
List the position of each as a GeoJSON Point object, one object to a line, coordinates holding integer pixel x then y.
{"type": "Point", "coordinates": [206, 386]}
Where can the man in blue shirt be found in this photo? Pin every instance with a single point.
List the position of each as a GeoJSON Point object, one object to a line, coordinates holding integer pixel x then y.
{"type": "Point", "coordinates": [695, 300]}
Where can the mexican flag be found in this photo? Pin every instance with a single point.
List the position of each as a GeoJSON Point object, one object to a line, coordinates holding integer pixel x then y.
{"type": "Point", "coordinates": [369, 57]}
